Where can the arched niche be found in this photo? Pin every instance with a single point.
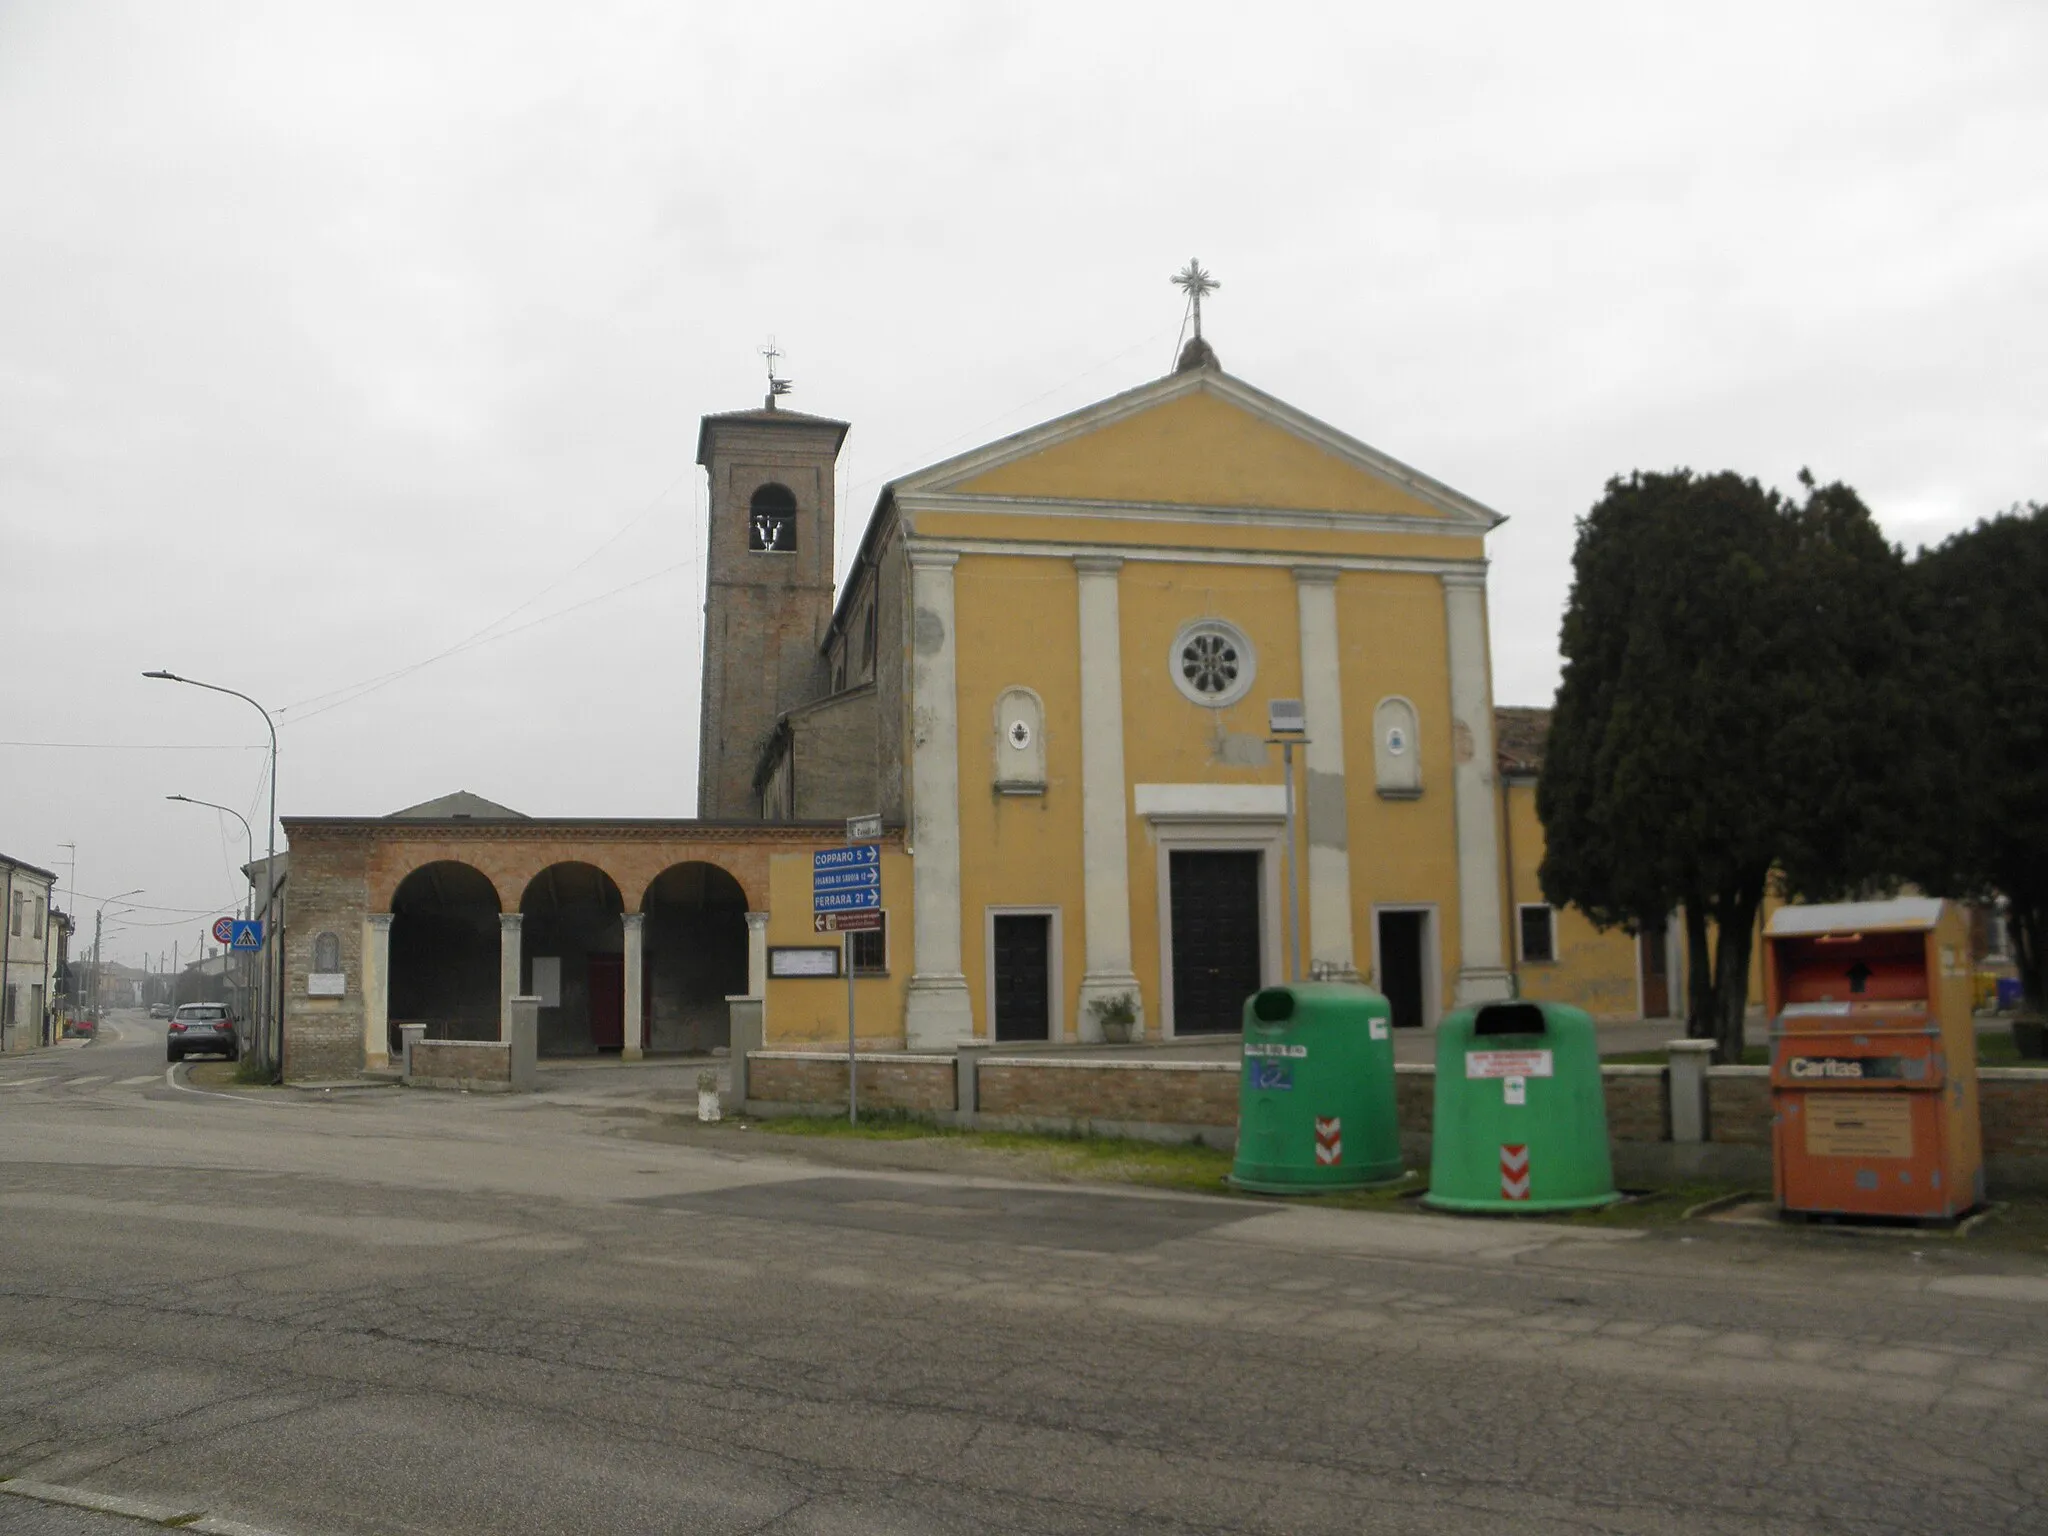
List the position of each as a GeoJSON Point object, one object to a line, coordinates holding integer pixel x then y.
{"type": "Point", "coordinates": [1396, 749]}
{"type": "Point", "coordinates": [1019, 742]}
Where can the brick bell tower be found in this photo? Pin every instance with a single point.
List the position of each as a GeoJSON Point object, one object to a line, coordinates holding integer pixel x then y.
{"type": "Point", "coordinates": [767, 590]}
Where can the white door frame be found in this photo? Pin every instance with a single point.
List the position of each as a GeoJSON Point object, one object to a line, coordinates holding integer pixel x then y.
{"type": "Point", "coordinates": [1249, 834]}
{"type": "Point", "coordinates": [1055, 981]}
{"type": "Point", "coordinates": [1432, 956]}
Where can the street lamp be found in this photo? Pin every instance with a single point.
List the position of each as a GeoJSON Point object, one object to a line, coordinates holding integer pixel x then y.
{"type": "Point", "coordinates": [269, 863]}
{"type": "Point", "coordinates": [248, 896]}
{"type": "Point", "coordinates": [98, 918]}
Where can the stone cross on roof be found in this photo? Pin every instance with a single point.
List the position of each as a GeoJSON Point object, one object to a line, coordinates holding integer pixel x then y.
{"type": "Point", "coordinates": [1195, 283]}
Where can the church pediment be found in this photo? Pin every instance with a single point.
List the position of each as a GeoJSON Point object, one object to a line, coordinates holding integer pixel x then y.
{"type": "Point", "coordinates": [1199, 439]}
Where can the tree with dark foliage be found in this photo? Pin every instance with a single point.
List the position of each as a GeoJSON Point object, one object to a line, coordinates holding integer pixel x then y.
{"type": "Point", "coordinates": [1983, 678]}
{"type": "Point", "coordinates": [1730, 696]}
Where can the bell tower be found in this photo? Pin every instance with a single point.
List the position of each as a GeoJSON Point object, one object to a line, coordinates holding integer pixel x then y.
{"type": "Point", "coordinates": [767, 587]}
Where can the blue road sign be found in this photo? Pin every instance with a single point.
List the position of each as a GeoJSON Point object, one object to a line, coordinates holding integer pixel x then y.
{"type": "Point", "coordinates": [248, 934]}
{"type": "Point", "coordinates": [845, 879]}
{"type": "Point", "coordinates": [866, 854]}
{"type": "Point", "coordinates": [847, 901]}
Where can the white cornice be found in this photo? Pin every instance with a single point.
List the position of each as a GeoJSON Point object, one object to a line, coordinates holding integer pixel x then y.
{"type": "Point", "coordinates": [1180, 512]}
{"type": "Point", "coordinates": [1472, 571]}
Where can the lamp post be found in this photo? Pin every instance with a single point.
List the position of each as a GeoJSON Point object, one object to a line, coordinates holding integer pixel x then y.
{"type": "Point", "coordinates": [98, 918]}
{"type": "Point", "coordinates": [274, 1060]}
{"type": "Point", "coordinates": [248, 896]}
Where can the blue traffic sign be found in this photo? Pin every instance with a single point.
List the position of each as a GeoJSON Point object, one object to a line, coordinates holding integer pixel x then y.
{"type": "Point", "coordinates": [845, 879]}
{"type": "Point", "coordinates": [866, 854]}
{"type": "Point", "coordinates": [248, 934]}
{"type": "Point", "coordinates": [847, 901]}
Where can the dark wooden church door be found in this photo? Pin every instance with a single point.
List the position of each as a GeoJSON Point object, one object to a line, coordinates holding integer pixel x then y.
{"type": "Point", "coordinates": [1215, 925]}
{"type": "Point", "coordinates": [1023, 976]}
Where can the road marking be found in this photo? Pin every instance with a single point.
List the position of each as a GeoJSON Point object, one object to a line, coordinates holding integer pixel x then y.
{"type": "Point", "coordinates": [82, 1082]}
{"type": "Point", "coordinates": [136, 1082]}
{"type": "Point", "coordinates": [133, 1509]}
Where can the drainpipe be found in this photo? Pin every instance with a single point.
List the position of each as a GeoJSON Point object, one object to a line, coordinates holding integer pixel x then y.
{"type": "Point", "coordinates": [1514, 935]}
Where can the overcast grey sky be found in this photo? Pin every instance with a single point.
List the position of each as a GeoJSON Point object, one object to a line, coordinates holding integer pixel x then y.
{"type": "Point", "coordinates": [331, 335]}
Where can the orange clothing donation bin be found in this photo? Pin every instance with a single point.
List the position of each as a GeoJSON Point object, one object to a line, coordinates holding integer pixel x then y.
{"type": "Point", "coordinates": [1873, 1060]}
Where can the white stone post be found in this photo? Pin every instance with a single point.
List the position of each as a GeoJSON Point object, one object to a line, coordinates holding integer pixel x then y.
{"type": "Point", "coordinates": [1686, 1082]}
{"type": "Point", "coordinates": [937, 1013]}
{"type": "Point", "coordinates": [1329, 817]}
{"type": "Point", "coordinates": [510, 925]}
{"type": "Point", "coordinates": [757, 954]}
{"type": "Point", "coordinates": [1105, 840]}
{"type": "Point", "coordinates": [377, 990]}
{"type": "Point", "coordinates": [632, 932]}
{"type": "Point", "coordinates": [1482, 977]}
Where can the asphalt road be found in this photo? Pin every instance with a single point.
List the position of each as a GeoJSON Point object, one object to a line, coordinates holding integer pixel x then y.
{"type": "Point", "coordinates": [404, 1312]}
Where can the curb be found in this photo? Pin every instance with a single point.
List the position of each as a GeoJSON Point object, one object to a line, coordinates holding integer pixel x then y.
{"type": "Point", "coordinates": [171, 1515]}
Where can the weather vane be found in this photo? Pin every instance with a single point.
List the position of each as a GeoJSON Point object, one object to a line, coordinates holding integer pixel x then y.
{"type": "Point", "coordinates": [1195, 283]}
{"type": "Point", "coordinates": [775, 386]}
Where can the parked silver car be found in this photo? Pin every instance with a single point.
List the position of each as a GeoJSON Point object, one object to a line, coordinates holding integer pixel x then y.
{"type": "Point", "coordinates": [202, 1028]}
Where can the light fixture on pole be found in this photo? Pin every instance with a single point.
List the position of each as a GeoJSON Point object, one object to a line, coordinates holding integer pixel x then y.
{"type": "Point", "coordinates": [249, 895]}
{"type": "Point", "coordinates": [1287, 719]}
{"type": "Point", "coordinates": [99, 918]}
{"type": "Point", "coordinates": [269, 1058]}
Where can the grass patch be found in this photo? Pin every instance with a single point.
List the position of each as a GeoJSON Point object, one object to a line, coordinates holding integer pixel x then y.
{"type": "Point", "coordinates": [1170, 1165]}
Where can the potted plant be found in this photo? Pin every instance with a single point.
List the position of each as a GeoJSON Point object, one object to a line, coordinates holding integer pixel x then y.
{"type": "Point", "coordinates": [1116, 1016]}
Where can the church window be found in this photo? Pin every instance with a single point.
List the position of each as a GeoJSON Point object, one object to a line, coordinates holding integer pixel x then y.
{"type": "Point", "coordinates": [867, 641]}
{"type": "Point", "coordinates": [771, 521]}
{"type": "Point", "coordinates": [1212, 662]}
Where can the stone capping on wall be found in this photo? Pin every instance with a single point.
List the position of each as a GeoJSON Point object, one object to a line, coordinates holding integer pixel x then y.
{"type": "Point", "coordinates": [892, 1057]}
{"type": "Point", "coordinates": [1121, 1064]}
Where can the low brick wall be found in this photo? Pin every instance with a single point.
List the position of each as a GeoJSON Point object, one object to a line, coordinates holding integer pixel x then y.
{"type": "Point", "coordinates": [1638, 1103]}
{"type": "Point", "coordinates": [888, 1080]}
{"type": "Point", "coordinates": [1078, 1093]}
{"type": "Point", "coordinates": [480, 1066]}
{"type": "Point", "coordinates": [1739, 1106]}
{"type": "Point", "coordinates": [2014, 1103]}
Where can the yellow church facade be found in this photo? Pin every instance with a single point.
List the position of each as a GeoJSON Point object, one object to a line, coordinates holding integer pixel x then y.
{"type": "Point", "coordinates": [1081, 628]}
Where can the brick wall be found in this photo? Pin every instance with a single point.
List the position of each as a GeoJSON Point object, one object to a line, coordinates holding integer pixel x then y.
{"type": "Point", "coordinates": [461, 1064]}
{"type": "Point", "coordinates": [1739, 1106]}
{"type": "Point", "coordinates": [323, 1036]}
{"type": "Point", "coordinates": [1415, 1099]}
{"type": "Point", "coordinates": [2014, 1102]}
{"type": "Point", "coordinates": [1638, 1104]}
{"type": "Point", "coordinates": [833, 743]}
{"type": "Point", "coordinates": [1168, 1093]}
{"type": "Point", "coordinates": [920, 1084]}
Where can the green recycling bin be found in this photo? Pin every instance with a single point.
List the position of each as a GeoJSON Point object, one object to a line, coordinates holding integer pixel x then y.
{"type": "Point", "coordinates": [1521, 1113]}
{"type": "Point", "coordinates": [1315, 1102]}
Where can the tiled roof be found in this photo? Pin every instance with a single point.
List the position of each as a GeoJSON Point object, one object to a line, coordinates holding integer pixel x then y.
{"type": "Point", "coordinates": [1518, 737]}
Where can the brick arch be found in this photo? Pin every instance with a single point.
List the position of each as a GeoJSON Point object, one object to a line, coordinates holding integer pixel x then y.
{"type": "Point", "coordinates": [384, 884]}
{"type": "Point", "coordinates": [510, 860]}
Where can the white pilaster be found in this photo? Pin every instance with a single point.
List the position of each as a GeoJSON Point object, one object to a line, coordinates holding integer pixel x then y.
{"type": "Point", "coordinates": [937, 1013]}
{"type": "Point", "coordinates": [510, 926]}
{"type": "Point", "coordinates": [1328, 814]}
{"type": "Point", "coordinates": [633, 933]}
{"type": "Point", "coordinates": [377, 990]}
{"type": "Point", "coordinates": [1482, 976]}
{"type": "Point", "coordinates": [1105, 844]}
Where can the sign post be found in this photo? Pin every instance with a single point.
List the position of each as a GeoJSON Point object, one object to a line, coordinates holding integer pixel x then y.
{"type": "Point", "coordinates": [846, 898]}
{"type": "Point", "coordinates": [1288, 723]}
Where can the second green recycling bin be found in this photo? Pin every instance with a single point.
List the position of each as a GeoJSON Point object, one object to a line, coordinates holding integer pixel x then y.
{"type": "Point", "coordinates": [1316, 1095]}
{"type": "Point", "coordinates": [1521, 1112]}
